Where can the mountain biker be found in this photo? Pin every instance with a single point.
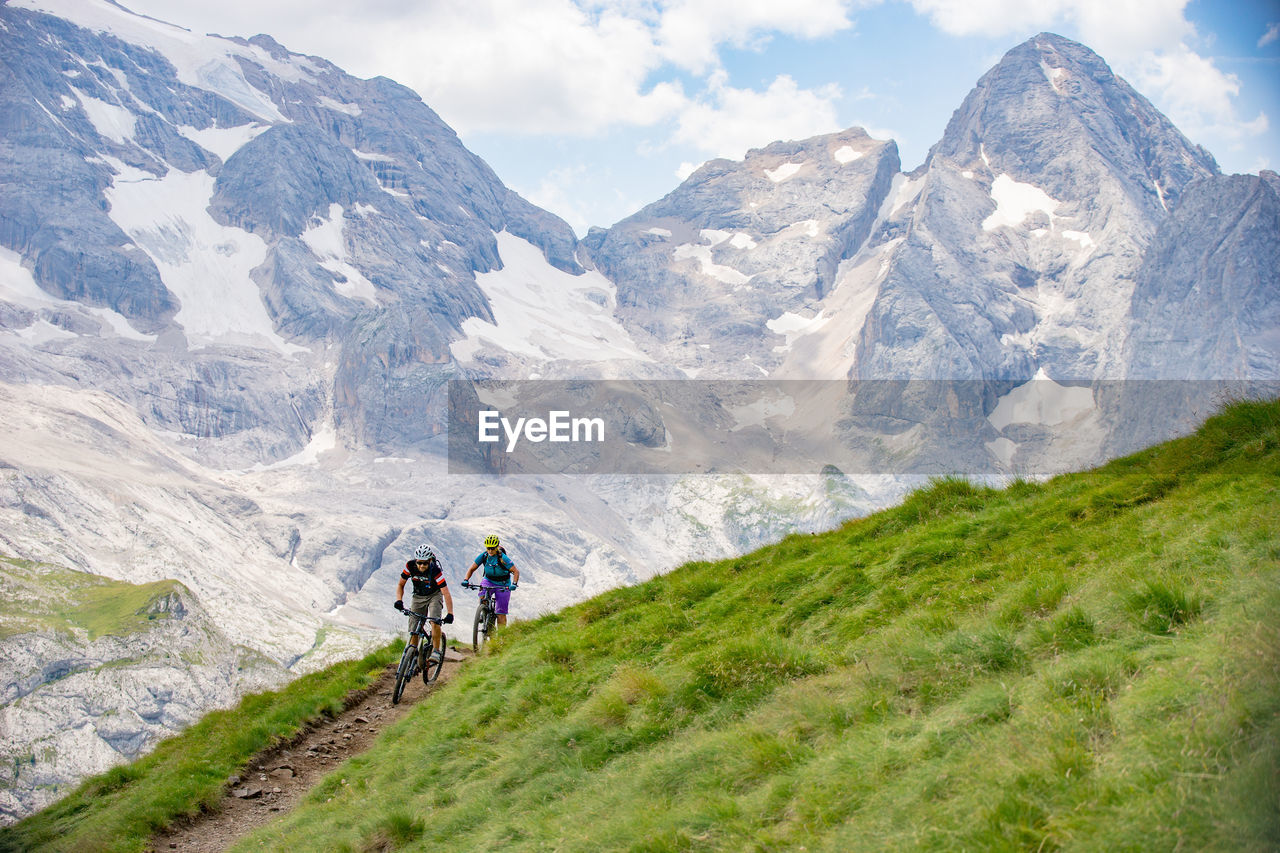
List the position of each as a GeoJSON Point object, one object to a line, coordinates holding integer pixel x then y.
{"type": "Point", "coordinates": [499, 572]}
{"type": "Point", "coordinates": [429, 590]}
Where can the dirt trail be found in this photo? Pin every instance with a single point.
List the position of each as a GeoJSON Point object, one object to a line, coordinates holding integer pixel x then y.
{"type": "Point", "coordinates": [276, 780]}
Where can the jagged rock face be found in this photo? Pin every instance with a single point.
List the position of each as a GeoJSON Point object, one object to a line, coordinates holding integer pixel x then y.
{"type": "Point", "coordinates": [175, 201]}
{"type": "Point", "coordinates": [77, 702]}
{"type": "Point", "coordinates": [1206, 305]}
{"type": "Point", "coordinates": [1208, 292]}
{"type": "Point", "coordinates": [703, 273]}
{"type": "Point", "coordinates": [1039, 239]}
{"type": "Point", "coordinates": [1030, 219]}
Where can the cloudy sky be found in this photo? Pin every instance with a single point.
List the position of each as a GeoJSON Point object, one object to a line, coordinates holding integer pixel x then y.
{"type": "Point", "coordinates": [593, 109]}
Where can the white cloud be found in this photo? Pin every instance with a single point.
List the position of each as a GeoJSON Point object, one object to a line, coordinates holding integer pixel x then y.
{"type": "Point", "coordinates": [1272, 33]}
{"type": "Point", "coordinates": [559, 192]}
{"type": "Point", "coordinates": [1117, 29]}
{"type": "Point", "coordinates": [1197, 97]}
{"type": "Point", "coordinates": [532, 66]}
{"type": "Point", "coordinates": [540, 66]}
{"type": "Point", "coordinates": [729, 121]}
{"type": "Point", "coordinates": [691, 32]}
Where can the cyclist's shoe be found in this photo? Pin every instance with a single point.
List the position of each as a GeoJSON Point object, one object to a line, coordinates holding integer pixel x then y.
{"type": "Point", "coordinates": [438, 655]}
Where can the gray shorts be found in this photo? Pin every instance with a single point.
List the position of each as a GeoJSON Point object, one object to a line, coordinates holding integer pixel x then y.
{"type": "Point", "coordinates": [432, 605]}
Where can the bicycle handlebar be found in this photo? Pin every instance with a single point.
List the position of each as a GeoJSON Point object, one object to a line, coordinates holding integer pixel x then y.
{"type": "Point", "coordinates": [439, 620]}
{"type": "Point", "coordinates": [469, 585]}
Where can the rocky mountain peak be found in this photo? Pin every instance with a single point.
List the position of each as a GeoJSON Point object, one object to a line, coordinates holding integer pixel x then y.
{"type": "Point", "coordinates": [1052, 106]}
{"type": "Point", "coordinates": [719, 271]}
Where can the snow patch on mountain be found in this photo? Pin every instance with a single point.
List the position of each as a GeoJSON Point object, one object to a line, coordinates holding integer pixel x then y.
{"type": "Point", "coordinates": [793, 326]}
{"type": "Point", "coordinates": [544, 313]}
{"type": "Point", "coordinates": [758, 413]}
{"type": "Point", "coordinates": [786, 170]}
{"type": "Point", "coordinates": [1043, 402]}
{"type": "Point", "coordinates": [324, 440]}
{"type": "Point", "coordinates": [1055, 76]}
{"type": "Point", "coordinates": [377, 158]}
{"type": "Point", "coordinates": [18, 287]}
{"type": "Point", "coordinates": [845, 154]}
{"type": "Point", "coordinates": [338, 106]}
{"type": "Point", "coordinates": [1051, 423]}
{"type": "Point", "coordinates": [1015, 202]}
{"type": "Point", "coordinates": [223, 141]}
{"type": "Point", "coordinates": [1080, 237]}
{"type": "Point", "coordinates": [110, 120]}
{"type": "Point", "coordinates": [707, 266]}
{"type": "Point", "coordinates": [902, 191]}
{"type": "Point", "coordinates": [829, 350]}
{"type": "Point", "coordinates": [207, 62]}
{"type": "Point", "coordinates": [325, 239]}
{"type": "Point", "coordinates": [208, 266]}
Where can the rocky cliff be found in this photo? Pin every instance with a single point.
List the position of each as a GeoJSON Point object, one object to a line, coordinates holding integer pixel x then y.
{"type": "Point", "coordinates": [97, 670]}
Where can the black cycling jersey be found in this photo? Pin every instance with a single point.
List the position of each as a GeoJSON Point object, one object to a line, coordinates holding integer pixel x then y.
{"type": "Point", "coordinates": [427, 579]}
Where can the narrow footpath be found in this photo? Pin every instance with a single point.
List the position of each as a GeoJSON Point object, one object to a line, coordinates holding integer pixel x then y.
{"type": "Point", "coordinates": [276, 780]}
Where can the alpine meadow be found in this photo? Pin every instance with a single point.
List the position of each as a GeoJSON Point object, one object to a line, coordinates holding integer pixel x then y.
{"type": "Point", "coordinates": [1088, 663]}
{"type": "Point", "coordinates": [894, 468]}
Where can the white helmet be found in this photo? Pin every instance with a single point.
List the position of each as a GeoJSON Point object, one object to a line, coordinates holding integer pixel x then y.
{"type": "Point", "coordinates": [424, 552]}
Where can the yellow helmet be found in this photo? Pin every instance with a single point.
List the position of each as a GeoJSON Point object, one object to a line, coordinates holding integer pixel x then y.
{"type": "Point", "coordinates": [491, 541]}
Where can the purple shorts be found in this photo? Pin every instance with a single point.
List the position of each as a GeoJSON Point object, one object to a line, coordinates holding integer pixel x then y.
{"type": "Point", "coordinates": [500, 601]}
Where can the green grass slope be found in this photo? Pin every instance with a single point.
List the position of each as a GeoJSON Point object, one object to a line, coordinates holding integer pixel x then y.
{"type": "Point", "coordinates": [119, 810]}
{"type": "Point", "coordinates": [37, 597]}
{"type": "Point", "coordinates": [1091, 663]}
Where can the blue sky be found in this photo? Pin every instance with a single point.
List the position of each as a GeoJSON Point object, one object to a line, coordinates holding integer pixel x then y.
{"type": "Point", "coordinates": [593, 109]}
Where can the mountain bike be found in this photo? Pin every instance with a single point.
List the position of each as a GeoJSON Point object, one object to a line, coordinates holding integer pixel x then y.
{"type": "Point", "coordinates": [486, 613]}
{"type": "Point", "coordinates": [408, 667]}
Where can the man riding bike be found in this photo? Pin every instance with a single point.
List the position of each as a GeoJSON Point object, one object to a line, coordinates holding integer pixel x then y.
{"type": "Point", "coordinates": [499, 572]}
{"type": "Point", "coordinates": [429, 590]}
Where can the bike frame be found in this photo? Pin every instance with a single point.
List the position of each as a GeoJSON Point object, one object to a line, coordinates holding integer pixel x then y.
{"type": "Point", "coordinates": [485, 614]}
{"type": "Point", "coordinates": [408, 667]}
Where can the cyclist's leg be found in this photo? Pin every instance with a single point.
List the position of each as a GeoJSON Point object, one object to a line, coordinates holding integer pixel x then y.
{"type": "Point", "coordinates": [501, 603]}
{"type": "Point", "coordinates": [498, 600]}
{"type": "Point", "coordinates": [433, 609]}
{"type": "Point", "coordinates": [421, 604]}
{"type": "Point", "coordinates": [413, 638]}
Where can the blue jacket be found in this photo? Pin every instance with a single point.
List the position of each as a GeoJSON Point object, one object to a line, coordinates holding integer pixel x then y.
{"type": "Point", "coordinates": [497, 567]}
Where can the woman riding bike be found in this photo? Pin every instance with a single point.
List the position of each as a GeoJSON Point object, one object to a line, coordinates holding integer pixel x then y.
{"type": "Point", "coordinates": [429, 591]}
{"type": "Point", "coordinates": [499, 572]}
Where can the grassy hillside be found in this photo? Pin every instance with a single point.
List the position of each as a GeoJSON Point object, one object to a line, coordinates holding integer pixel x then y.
{"type": "Point", "coordinates": [119, 810]}
{"type": "Point", "coordinates": [36, 597]}
{"type": "Point", "coordinates": [1091, 663]}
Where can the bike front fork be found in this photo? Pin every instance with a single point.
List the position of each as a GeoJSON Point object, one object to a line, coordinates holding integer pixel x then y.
{"type": "Point", "coordinates": [422, 656]}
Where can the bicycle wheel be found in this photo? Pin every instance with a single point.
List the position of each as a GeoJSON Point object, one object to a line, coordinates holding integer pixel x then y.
{"type": "Point", "coordinates": [479, 630]}
{"type": "Point", "coordinates": [432, 670]}
{"type": "Point", "coordinates": [403, 673]}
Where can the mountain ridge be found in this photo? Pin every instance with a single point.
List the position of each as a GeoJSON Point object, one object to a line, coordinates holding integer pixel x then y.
{"type": "Point", "coordinates": [261, 275]}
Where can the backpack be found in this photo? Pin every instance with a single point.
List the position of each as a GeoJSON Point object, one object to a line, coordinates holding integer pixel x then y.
{"type": "Point", "coordinates": [423, 584]}
{"type": "Point", "coordinates": [494, 570]}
